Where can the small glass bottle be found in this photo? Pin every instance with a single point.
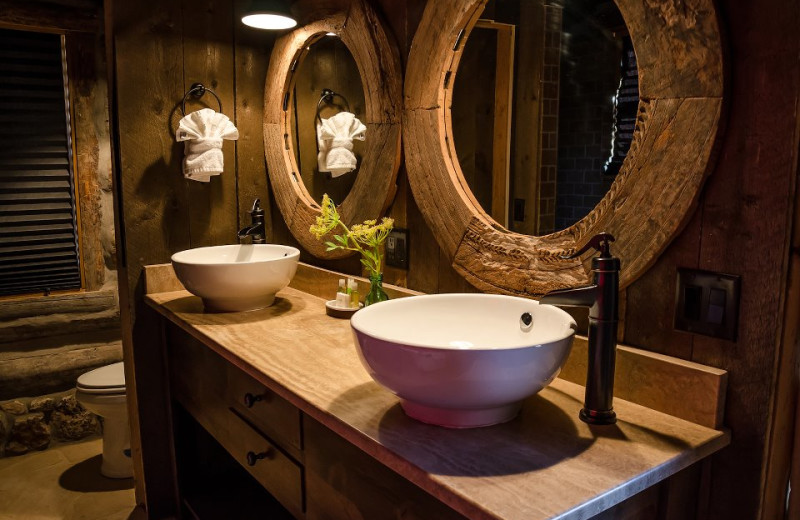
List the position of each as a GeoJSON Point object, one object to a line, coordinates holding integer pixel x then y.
{"type": "Point", "coordinates": [342, 286]}
{"type": "Point", "coordinates": [352, 287]}
{"type": "Point", "coordinates": [376, 293]}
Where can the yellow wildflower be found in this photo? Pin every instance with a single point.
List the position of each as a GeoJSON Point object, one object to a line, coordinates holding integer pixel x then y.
{"type": "Point", "coordinates": [365, 238]}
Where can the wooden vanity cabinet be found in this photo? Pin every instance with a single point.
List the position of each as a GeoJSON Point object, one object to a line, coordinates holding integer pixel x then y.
{"type": "Point", "coordinates": [242, 451]}
{"type": "Point", "coordinates": [201, 383]}
{"type": "Point", "coordinates": [273, 417]}
{"type": "Point", "coordinates": [309, 471]}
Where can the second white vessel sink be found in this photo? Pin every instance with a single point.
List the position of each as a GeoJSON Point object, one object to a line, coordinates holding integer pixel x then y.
{"type": "Point", "coordinates": [463, 360]}
{"type": "Point", "coordinates": [236, 277]}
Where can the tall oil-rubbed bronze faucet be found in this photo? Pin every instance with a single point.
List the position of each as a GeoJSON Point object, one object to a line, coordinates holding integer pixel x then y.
{"type": "Point", "coordinates": [256, 229]}
{"type": "Point", "coordinates": [602, 299]}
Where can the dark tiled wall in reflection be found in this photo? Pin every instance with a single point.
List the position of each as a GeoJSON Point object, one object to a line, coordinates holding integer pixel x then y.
{"type": "Point", "coordinates": [589, 79]}
{"type": "Point", "coordinates": [549, 140]}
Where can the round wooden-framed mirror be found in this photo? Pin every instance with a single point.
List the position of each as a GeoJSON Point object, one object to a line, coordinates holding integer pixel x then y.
{"type": "Point", "coordinates": [364, 34]}
{"type": "Point", "coordinates": [679, 51]}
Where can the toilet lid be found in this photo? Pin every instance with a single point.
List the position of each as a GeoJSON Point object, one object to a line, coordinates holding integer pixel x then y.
{"type": "Point", "coordinates": [111, 377]}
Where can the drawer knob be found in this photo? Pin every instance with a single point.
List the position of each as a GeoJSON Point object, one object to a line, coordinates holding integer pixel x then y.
{"type": "Point", "coordinates": [250, 399]}
{"type": "Point", "coordinates": [253, 457]}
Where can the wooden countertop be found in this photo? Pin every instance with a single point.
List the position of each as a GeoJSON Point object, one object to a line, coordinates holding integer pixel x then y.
{"type": "Point", "coordinates": [546, 463]}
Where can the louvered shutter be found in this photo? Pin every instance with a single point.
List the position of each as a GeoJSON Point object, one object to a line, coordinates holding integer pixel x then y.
{"type": "Point", "coordinates": [38, 237]}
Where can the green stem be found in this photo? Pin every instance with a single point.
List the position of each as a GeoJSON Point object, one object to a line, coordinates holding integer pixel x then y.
{"type": "Point", "coordinates": [375, 267]}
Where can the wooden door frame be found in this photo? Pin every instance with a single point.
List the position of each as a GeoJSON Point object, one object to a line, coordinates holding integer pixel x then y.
{"type": "Point", "coordinates": [503, 102]}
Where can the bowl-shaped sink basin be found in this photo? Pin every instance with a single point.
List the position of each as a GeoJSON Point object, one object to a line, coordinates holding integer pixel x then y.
{"type": "Point", "coordinates": [236, 277]}
{"type": "Point", "coordinates": [463, 360]}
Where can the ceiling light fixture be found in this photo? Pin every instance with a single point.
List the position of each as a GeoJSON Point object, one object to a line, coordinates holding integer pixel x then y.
{"type": "Point", "coordinates": [269, 14]}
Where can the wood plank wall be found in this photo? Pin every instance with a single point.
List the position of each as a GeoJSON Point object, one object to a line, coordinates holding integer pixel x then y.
{"type": "Point", "coordinates": [742, 224]}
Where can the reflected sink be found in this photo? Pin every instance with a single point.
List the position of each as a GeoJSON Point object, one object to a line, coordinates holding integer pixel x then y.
{"type": "Point", "coordinates": [463, 360]}
{"type": "Point", "coordinates": [236, 277]}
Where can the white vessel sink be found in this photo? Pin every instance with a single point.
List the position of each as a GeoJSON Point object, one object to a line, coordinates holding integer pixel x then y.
{"type": "Point", "coordinates": [236, 277]}
{"type": "Point", "coordinates": [462, 360]}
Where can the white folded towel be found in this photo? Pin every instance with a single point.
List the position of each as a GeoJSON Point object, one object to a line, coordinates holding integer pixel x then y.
{"type": "Point", "coordinates": [323, 147]}
{"type": "Point", "coordinates": [335, 141]}
{"type": "Point", "coordinates": [203, 132]}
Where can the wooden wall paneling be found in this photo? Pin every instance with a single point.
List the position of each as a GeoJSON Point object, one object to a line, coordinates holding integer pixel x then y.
{"type": "Point", "coordinates": [148, 68]}
{"type": "Point", "coordinates": [794, 498]}
{"type": "Point", "coordinates": [154, 190]}
{"type": "Point", "coordinates": [786, 452]}
{"type": "Point", "coordinates": [650, 309]}
{"type": "Point", "coordinates": [208, 59]}
{"type": "Point", "coordinates": [423, 262]}
{"type": "Point", "coordinates": [746, 231]}
{"type": "Point", "coordinates": [399, 212]}
{"type": "Point", "coordinates": [782, 449]}
{"type": "Point", "coordinates": [124, 294]}
{"type": "Point", "coordinates": [423, 253]}
{"type": "Point", "coordinates": [399, 17]}
{"type": "Point", "coordinates": [89, 98]}
{"type": "Point", "coordinates": [783, 456]}
{"type": "Point", "coordinates": [251, 53]}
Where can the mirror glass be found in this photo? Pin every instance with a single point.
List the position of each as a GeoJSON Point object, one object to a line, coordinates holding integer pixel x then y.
{"type": "Point", "coordinates": [327, 65]}
{"type": "Point", "coordinates": [543, 110]}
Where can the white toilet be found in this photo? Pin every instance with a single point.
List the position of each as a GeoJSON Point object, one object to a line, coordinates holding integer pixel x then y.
{"type": "Point", "coordinates": [102, 392]}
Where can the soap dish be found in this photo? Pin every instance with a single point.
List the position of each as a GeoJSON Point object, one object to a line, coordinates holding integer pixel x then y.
{"type": "Point", "coordinates": [333, 310]}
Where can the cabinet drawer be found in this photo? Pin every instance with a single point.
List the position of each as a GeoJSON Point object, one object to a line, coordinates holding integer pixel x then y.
{"type": "Point", "coordinates": [274, 470]}
{"type": "Point", "coordinates": [269, 412]}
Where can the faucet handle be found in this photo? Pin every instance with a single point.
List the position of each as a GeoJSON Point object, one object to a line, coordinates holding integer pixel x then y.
{"type": "Point", "coordinates": [257, 209]}
{"type": "Point", "coordinates": [601, 242]}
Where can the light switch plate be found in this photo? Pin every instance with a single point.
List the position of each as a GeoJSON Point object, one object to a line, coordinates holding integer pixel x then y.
{"type": "Point", "coordinates": [397, 248]}
{"type": "Point", "coordinates": [707, 303]}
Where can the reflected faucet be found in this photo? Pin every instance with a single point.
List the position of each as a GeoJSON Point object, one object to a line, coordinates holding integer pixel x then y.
{"type": "Point", "coordinates": [256, 229]}
{"type": "Point", "coordinates": [602, 299]}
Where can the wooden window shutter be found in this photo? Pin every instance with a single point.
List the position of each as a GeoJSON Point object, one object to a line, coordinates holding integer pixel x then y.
{"type": "Point", "coordinates": [38, 225]}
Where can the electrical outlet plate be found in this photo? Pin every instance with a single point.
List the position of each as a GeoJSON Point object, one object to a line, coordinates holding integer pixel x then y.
{"type": "Point", "coordinates": [707, 303]}
{"type": "Point", "coordinates": [397, 248]}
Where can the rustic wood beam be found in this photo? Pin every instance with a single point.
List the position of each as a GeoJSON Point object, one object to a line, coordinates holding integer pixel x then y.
{"type": "Point", "coordinates": [55, 16]}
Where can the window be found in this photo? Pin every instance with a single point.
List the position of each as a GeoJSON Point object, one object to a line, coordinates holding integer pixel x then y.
{"type": "Point", "coordinates": [39, 243]}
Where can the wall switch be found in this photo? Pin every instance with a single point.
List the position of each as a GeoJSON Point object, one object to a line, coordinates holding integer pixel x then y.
{"type": "Point", "coordinates": [397, 248]}
{"type": "Point", "coordinates": [707, 303]}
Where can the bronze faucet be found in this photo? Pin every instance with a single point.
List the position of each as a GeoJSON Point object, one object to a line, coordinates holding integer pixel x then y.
{"type": "Point", "coordinates": [256, 229]}
{"type": "Point", "coordinates": [602, 300]}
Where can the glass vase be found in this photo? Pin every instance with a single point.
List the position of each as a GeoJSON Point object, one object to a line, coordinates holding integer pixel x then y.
{"type": "Point", "coordinates": [376, 293]}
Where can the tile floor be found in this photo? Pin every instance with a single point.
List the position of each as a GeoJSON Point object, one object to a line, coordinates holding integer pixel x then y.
{"type": "Point", "coordinates": [64, 483]}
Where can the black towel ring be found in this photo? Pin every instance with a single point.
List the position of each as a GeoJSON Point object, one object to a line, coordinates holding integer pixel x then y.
{"type": "Point", "coordinates": [327, 96]}
{"type": "Point", "coordinates": [196, 91]}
